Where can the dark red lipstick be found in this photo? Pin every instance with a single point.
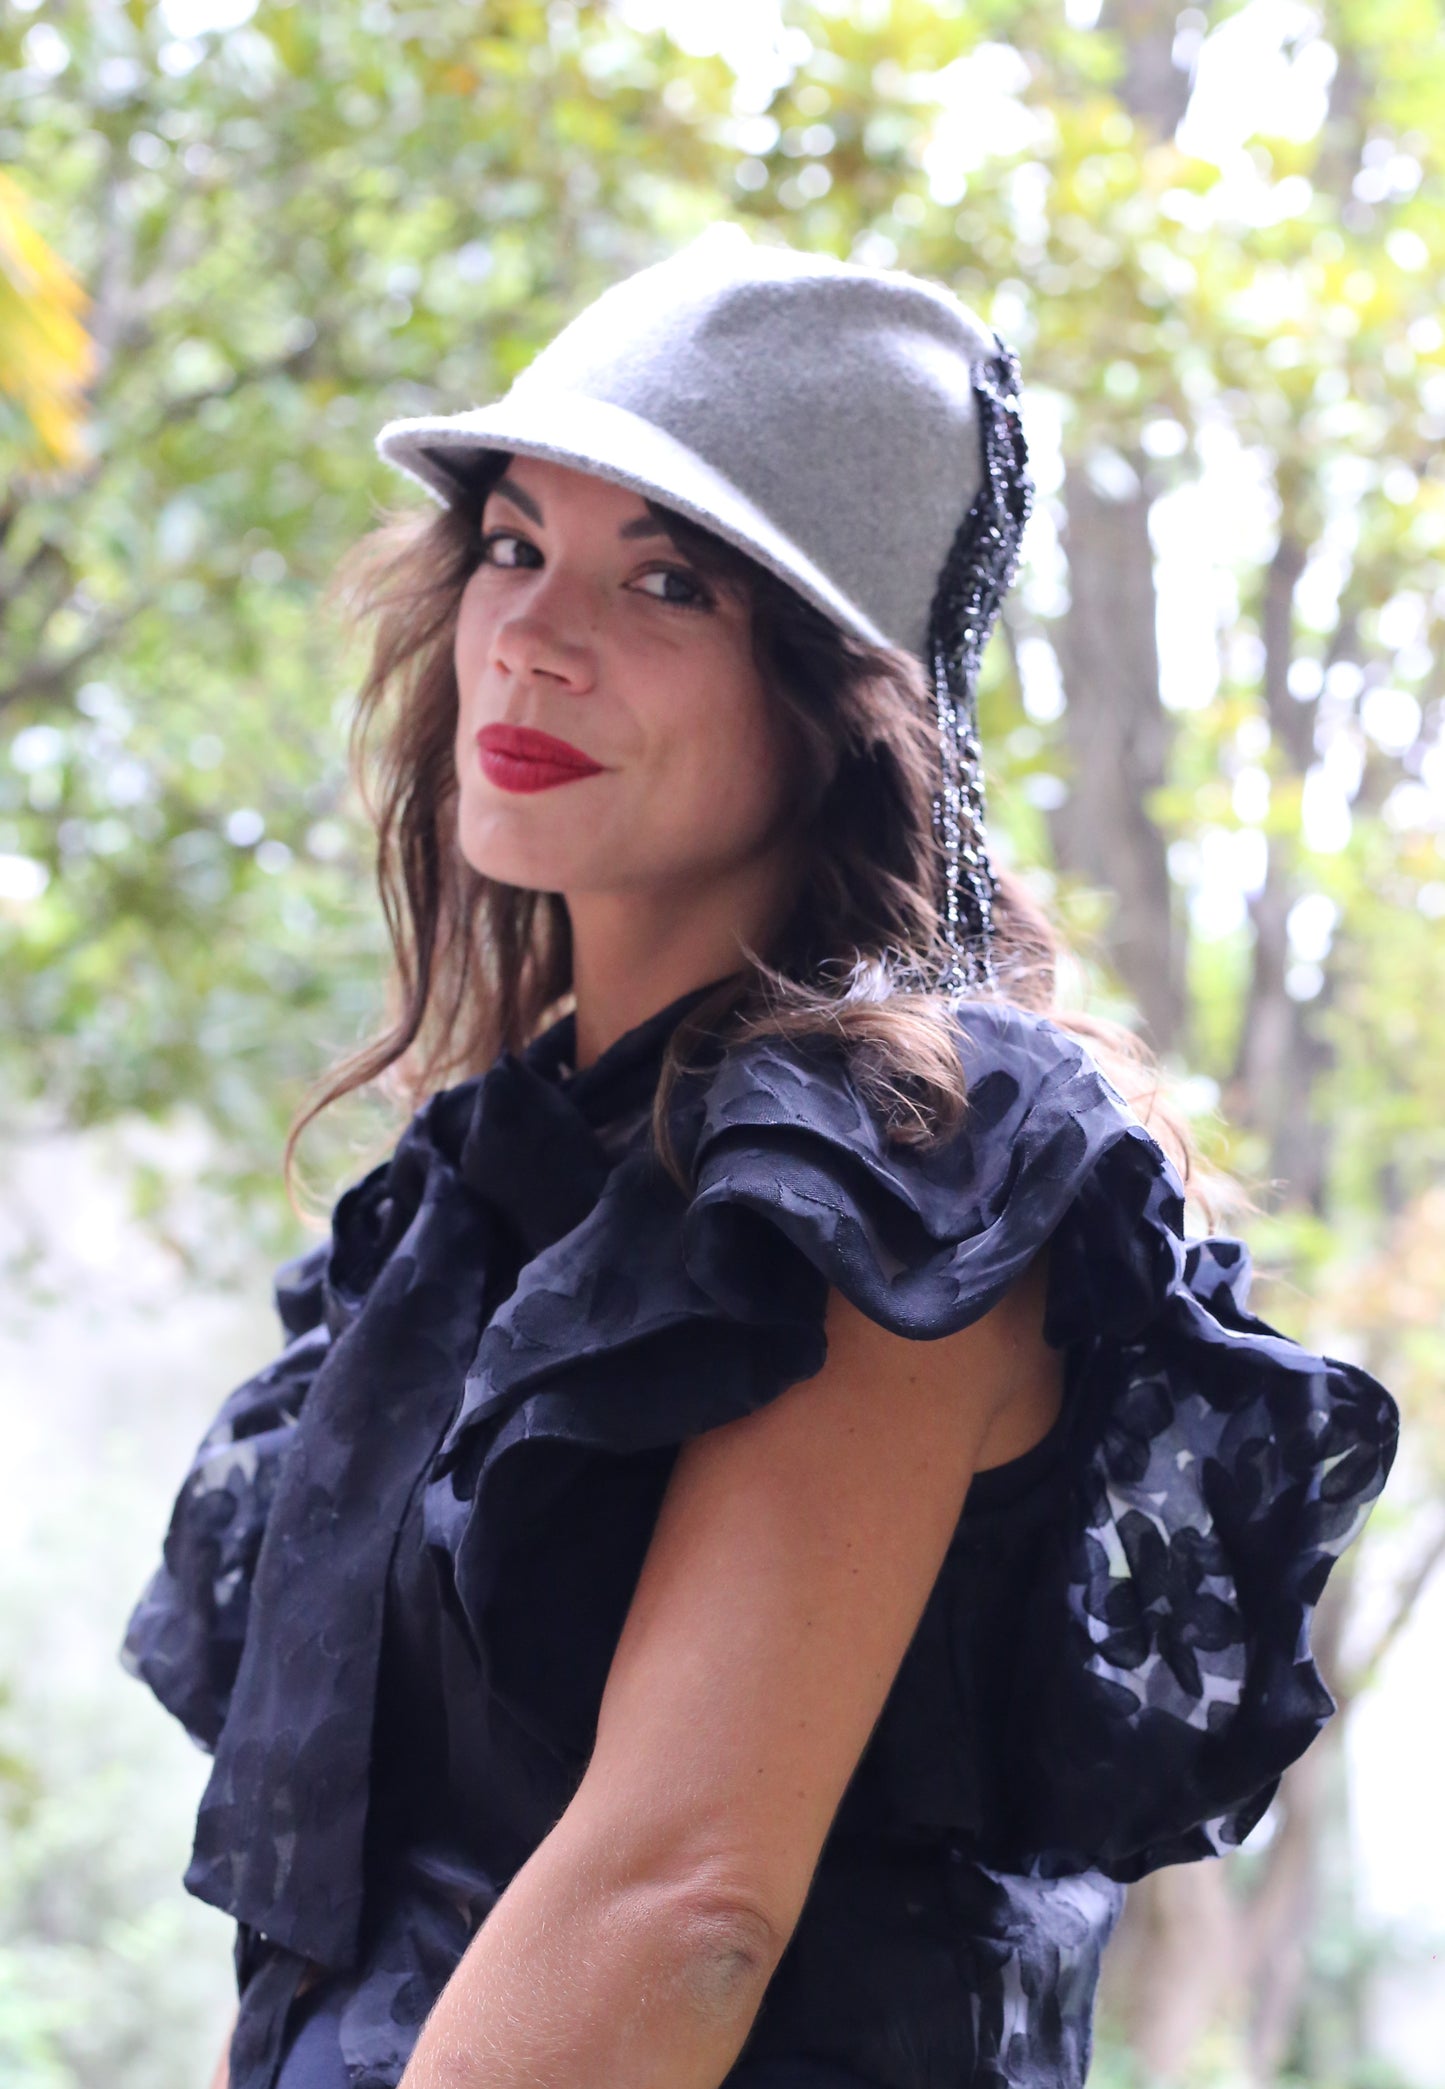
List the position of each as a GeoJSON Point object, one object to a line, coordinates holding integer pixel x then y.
{"type": "Point", "coordinates": [517, 758]}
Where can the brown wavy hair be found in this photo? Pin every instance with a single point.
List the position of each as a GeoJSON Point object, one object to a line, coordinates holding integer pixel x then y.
{"type": "Point", "coordinates": [479, 966]}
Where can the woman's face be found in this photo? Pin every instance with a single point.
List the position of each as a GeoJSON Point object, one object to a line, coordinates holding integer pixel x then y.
{"type": "Point", "coordinates": [613, 733]}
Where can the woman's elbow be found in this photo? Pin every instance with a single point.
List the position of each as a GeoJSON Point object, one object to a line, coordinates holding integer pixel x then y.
{"type": "Point", "coordinates": [729, 1954]}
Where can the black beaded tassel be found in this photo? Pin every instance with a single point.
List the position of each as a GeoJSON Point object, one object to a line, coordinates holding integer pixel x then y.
{"type": "Point", "coordinates": [974, 579]}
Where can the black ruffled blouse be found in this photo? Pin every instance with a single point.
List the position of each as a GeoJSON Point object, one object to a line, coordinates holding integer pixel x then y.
{"type": "Point", "coordinates": [398, 1568]}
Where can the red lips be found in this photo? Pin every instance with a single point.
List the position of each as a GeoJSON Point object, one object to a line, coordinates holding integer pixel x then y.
{"type": "Point", "coordinates": [517, 758]}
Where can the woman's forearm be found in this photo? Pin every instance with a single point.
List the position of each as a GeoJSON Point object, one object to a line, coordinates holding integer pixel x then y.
{"type": "Point", "coordinates": [574, 1981]}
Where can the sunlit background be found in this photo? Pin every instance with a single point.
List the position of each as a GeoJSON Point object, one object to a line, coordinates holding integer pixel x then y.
{"type": "Point", "coordinates": [234, 240]}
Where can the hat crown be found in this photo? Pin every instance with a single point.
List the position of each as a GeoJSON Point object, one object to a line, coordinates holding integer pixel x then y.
{"type": "Point", "coordinates": [837, 400]}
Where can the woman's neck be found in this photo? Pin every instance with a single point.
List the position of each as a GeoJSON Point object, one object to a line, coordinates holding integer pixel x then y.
{"type": "Point", "coordinates": [634, 953]}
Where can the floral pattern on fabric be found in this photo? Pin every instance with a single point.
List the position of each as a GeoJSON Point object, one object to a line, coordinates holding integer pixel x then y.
{"type": "Point", "coordinates": [515, 1326]}
{"type": "Point", "coordinates": [1217, 1468]}
{"type": "Point", "coordinates": [186, 1634]}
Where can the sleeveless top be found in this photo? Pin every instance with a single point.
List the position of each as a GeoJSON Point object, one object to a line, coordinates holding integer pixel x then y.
{"type": "Point", "coordinates": [399, 1565]}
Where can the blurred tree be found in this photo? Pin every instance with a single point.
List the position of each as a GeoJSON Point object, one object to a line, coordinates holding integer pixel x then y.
{"type": "Point", "coordinates": [1215, 716]}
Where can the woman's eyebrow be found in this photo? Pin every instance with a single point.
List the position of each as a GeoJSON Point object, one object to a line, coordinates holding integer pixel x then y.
{"type": "Point", "coordinates": [508, 489]}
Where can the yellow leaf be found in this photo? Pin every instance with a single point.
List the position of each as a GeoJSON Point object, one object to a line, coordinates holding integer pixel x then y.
{"type": "Point", "coordinates": [46, 356]}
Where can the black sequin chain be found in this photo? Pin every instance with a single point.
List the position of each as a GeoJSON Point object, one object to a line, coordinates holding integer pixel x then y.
{"type": "Point", "coordinates": [972, 583]}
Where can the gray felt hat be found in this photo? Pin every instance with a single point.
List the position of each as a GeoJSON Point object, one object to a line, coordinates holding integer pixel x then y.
{"type": "Point", "coordinates": [854, 429]}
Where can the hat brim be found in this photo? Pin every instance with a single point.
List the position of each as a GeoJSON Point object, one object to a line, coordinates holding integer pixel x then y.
{"type": "Point", "coordinates": [593, 435]}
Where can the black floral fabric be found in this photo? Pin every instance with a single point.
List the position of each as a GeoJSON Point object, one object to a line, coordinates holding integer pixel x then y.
{"type": "Point", "coordinates": [397, 1571]}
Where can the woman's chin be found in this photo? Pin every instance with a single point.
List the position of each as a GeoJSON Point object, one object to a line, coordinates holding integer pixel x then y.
{"type": "Point", "coordinates": [537, 860]}
{"type": "Point", "coordinates": [544, 870]}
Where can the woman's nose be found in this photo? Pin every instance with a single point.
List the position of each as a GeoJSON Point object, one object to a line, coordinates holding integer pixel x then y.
{"type": "Point", "coordinates": [551, 636]}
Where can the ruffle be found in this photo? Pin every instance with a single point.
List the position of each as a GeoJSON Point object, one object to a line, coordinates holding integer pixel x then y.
{"type": "Point", "coordinates": [185, 1634]}
{"type": "Point", "coordinates": [1204, 1476]}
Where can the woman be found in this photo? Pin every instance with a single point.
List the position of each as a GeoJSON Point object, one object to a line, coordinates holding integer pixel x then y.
{"type": "Point", "coordinates": [764, 1522]}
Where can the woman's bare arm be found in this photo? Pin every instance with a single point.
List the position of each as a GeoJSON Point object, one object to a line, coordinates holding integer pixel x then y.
{"type": "Point", "coordinates": [791, 1562]}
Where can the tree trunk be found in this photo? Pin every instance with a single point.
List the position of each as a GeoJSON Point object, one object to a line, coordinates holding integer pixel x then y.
{"type": "Point", "coordinates": [1118, 740]}
{"type": "Point", "coordinates": [1189, 1955]}
{"type": "Point", "coordinates": [1115, 727]}
{"type": "Point", "coordinates": [1278, 1920]}
{"type": "Point", "coordinates": [1153, 87]}
{"type": "Point", "coordinates": [1170, 1972]}
{"type": "Point", "coordinates": [1282, 1055]}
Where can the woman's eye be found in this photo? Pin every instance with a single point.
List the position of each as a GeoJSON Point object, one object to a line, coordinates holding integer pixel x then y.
{"type": "Point", "coordinates": [501, 537]}
{"type": "Point", "coordinates": [696, 596]}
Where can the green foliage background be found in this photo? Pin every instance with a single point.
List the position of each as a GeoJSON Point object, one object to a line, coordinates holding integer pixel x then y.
{"type": "Point", "coordinates": [299, 225]}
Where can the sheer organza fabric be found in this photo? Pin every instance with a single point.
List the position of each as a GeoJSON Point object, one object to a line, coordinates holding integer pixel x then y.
{"type": "Point", "coordinates": [397, 1570]}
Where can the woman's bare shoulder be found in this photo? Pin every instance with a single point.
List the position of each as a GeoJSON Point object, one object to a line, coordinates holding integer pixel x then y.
{"type": "Point", "coordinates": [792, 1559]}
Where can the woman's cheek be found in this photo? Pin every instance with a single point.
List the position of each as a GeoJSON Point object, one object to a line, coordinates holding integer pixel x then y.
{"type": "Point", "coordinates": [766, 765]}
{"type": "Point", "coordinates": [730, 813]}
